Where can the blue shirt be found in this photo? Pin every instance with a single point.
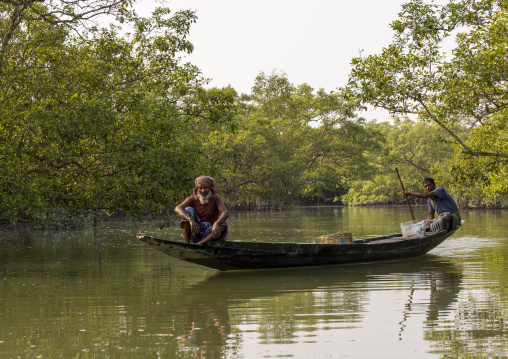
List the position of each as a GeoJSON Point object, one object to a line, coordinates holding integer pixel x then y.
{"type": "Point", "coordinates": [441, 202]}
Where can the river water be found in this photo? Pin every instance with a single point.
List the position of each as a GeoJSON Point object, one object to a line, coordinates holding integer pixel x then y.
{"type": "Point", "coordinates": [100, 293]}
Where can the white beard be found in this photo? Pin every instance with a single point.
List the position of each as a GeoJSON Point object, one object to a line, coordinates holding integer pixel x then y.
{"type": "Point", "coordinates": [204, 199]}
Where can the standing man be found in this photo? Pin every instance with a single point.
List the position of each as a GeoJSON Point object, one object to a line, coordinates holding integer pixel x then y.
{"type": "Point", "coordinates": [203, 214]}
{"type": "Point", "coordinates": [438, 200]}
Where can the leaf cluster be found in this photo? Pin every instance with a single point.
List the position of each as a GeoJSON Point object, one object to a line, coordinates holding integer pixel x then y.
{"type": "Point", "coordinates": [100, 121]}
{"type": "Point", "coordinates": [420, 73]}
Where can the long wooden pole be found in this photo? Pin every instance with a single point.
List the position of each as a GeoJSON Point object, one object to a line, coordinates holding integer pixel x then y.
{"type": "Point", "coordinates": [407, 199]}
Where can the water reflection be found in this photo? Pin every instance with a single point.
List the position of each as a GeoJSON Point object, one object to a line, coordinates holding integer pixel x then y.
{"type": "Point", "coordinates": [284, 305]}
{"type": "Point", "coordinates": [206, 328]}
{"type": "Point", "coordinates": [100, 293]}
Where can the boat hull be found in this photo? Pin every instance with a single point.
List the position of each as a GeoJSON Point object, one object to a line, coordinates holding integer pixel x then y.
{"type": "Point", "coordinates": [261, 255]}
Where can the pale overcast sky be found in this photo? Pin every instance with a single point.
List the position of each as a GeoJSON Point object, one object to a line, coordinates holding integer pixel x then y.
{"type": "Point", "coordinates": [313, 42]}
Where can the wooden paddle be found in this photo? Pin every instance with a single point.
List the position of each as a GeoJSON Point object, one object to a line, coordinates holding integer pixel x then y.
{"type": "Point", "coordinates": [407, 199]}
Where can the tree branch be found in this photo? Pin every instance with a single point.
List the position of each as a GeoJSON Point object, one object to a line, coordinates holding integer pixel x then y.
{"type": "Point", "coordinates": [467, 150]}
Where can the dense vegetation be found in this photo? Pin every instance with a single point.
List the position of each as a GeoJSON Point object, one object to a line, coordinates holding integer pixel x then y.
{"type": "Point", "coordinates": [100, 119]}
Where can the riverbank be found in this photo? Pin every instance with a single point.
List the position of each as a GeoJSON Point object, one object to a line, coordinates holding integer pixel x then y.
{"type": "Point", "coordinates": [62, 220]}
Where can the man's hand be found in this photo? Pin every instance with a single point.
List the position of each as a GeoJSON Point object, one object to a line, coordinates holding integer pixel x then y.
{"type": "Point", "coordinates": [194, 226]}
{"type": "Point", "coordinates": [216, 231]}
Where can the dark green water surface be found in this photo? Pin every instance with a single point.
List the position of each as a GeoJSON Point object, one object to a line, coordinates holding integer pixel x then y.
{"type": "Point", "coordinates": [100, 293]}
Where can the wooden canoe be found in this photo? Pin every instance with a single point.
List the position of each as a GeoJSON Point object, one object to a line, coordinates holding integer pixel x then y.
{"type": "Point", "coordinates": [262, 255]}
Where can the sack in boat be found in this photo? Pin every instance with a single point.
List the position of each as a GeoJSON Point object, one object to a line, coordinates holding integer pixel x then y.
{"type": "Point", "coordinates": [413, 229]}
{"type": "Point", "coordinates": [336, 238]}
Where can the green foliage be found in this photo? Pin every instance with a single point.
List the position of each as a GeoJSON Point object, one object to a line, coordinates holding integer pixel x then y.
{"type": "Point", "coordinates": [100, 121]}
{"type": "Point", "coordinates": [292, 143]}
{"type": "Point", "coordinates": [418, 150]}
{"type": "Point", "coordinates": [466, 87]}
{"type": "Point", "coordinates": [110, 118]}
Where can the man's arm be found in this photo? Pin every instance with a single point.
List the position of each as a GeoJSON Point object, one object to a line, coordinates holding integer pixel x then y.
{"type": "Point", "coordinates": [418, 194]}
{"type": "Point", "coordinates": [224, 214]}
{"type": "Point", "coordinates": [180, 210]}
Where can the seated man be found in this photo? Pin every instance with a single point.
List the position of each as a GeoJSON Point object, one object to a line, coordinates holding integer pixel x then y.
{"type": "Point", "coordinates": [438, 201]}
{"type": "Point", "coordinates": [203, 214]}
